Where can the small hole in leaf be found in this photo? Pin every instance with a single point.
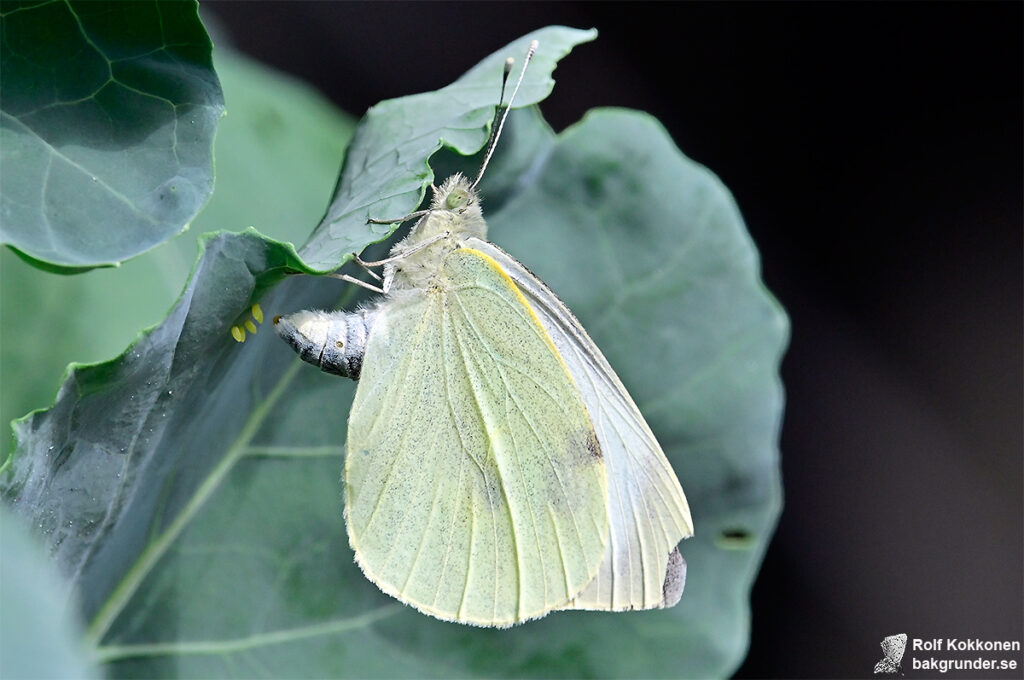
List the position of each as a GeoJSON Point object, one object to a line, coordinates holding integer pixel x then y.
{"type": "Point", "coordinates": [735, 538]}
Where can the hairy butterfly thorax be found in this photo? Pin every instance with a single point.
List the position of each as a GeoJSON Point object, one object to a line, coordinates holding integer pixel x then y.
{"type": "Point", "coordinates": [454, 216]}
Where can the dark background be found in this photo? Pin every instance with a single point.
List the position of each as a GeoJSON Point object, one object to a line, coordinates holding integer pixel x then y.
{"type": "Point", "coordinates": [876, 153]}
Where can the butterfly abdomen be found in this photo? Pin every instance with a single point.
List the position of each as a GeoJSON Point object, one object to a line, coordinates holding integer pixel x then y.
{"type": "Point", "coordinates": [333, 341]}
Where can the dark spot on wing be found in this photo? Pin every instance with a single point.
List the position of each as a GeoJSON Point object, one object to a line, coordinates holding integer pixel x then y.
{"type": "Point", "coordinates": [675, 579]}
{"type": "Point", "coordinates": [584, 448]}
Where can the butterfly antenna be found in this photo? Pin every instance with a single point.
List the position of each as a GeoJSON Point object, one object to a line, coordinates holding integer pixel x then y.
{"type": "Point", "coordinates": [501, 114]}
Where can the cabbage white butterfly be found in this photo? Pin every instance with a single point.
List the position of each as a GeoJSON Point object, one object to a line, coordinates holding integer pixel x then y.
{"type": "Point", "coordinates": [496, 467]}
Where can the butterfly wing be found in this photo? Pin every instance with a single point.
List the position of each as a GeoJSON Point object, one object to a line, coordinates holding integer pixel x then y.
{"type": "Point", "coordinates": [475, 487]}
{"type": "Point", "coordinates": [649, 513]}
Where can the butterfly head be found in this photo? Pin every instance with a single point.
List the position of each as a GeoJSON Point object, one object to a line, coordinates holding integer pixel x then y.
{"type": "Point", "coordinates": [455, 210]}
{"type": "Point", "coordinates": [456, 195]}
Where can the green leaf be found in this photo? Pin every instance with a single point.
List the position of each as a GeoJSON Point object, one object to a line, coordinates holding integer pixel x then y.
{"type": "Point", "coordinates": [106, 128]}
{"type": "Point", "coordinates": [201, 475]}
{"type": "Point", "coordinates": [277, 151]}
{"type": "Point", "coordinates": [401, 134]}
{"type": "Point", "coordinates": [40, 639]}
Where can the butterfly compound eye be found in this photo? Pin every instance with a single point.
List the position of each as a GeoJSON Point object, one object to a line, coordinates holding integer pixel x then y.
{"type": "Point", "coordinates": [456, 199]}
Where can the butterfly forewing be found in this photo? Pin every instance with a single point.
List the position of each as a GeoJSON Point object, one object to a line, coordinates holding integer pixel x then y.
{"type": "Point", "coordinates": [482, 497]}
{"type": "Point", "coordinates": [649, 512]}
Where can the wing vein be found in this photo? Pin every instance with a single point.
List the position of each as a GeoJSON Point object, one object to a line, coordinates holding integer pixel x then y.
{"type": "Point", "coordinates": [547, 450]}
{"type": "Point", "coordinates": [465, 355]}
{"type": "Point", "coordinates": [406, 368]}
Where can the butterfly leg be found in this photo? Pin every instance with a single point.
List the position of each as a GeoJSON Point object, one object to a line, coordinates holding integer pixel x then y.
{"type": "Point", "coordinates": [401, 220]}
{"type": "Point", "coordinates": [405, 253]}
{"type": "Point", "coordinates": [366, 266]}
{"type": "Point", "coordinates": [352, 279]}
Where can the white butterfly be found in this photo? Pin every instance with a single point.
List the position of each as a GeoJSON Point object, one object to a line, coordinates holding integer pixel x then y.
{"type": "Point", "coordinates": [496, 467]}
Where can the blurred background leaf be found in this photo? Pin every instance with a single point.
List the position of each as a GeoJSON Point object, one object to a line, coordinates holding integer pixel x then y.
{"type": "Point", "coordinates": [40, 630]}
{"type": "Point", "coordinates": [107, 118]}
{"type": "Point", "coordinates": [189, 488]}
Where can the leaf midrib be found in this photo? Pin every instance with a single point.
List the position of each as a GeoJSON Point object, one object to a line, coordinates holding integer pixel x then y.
{"type": "Point", "coordinates": [149, 556]}
{"type": "Point", "coordinates": [112, 653]}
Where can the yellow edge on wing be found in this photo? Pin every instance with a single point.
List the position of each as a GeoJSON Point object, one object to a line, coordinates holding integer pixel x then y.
{"type": "Point", "coordinates": [526, 303]}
